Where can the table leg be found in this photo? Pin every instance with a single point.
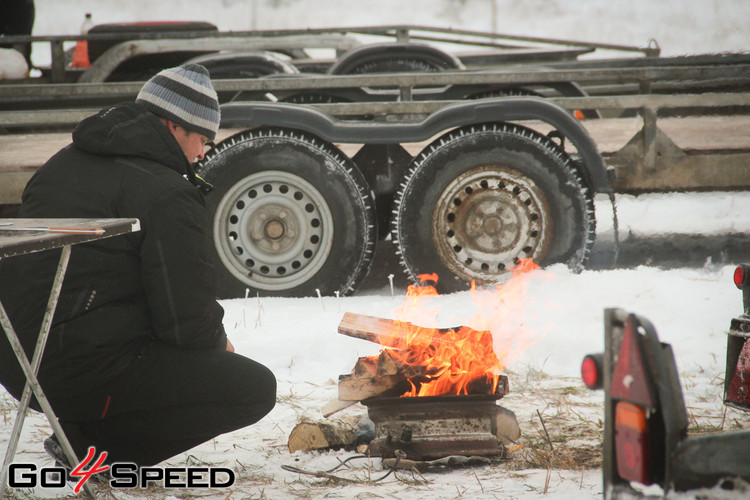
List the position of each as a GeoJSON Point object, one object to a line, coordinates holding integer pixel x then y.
{"type": "Point", "coordinates": [30, 370]}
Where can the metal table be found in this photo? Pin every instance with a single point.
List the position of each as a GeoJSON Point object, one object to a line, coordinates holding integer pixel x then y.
{"type": "Point", "coordinates": [24, 236]}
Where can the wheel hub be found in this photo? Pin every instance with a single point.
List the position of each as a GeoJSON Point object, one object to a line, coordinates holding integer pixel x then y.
{"type": "Point", "coordinates": [492, 225]}
{"type": "Point", "coordinates": [486, 220]}
{"type": "Point", "coordinates": [273, 230]}
{"type": "Point", "coordinates": [489, 221]}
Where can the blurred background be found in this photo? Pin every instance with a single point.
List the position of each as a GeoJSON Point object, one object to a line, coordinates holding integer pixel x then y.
{"type": "Point", "coordinates": [679, 26]}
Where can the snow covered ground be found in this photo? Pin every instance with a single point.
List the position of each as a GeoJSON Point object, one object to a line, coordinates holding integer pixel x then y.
{"type": "Point", "coordinates": [559, 318]}
{"type": "Point", "coordinates": [677, 255]}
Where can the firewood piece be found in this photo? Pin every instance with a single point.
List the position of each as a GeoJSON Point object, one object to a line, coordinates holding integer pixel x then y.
{"type": "Point", "coordinates": [386, 332]}
{"type": "Point", "coordinates": [356, 389]}
{"type": "Point", "coordinates": [335, 406]}
{"type": "Point", "coordinates": [386, 365]}
{"type": "Point", "coordinates": [365, 367]}
{"type": "Point", "coordinates": [365, 327]}
{"type": "Point", "coordinates": [390, 363]}
{"type": "Point", "coordinates": [308, 436]}
{"type": "Point", "coordinates": [508, 430]}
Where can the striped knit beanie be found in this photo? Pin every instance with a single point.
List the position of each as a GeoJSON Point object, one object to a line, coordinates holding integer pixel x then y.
{"type": "Point", "coordinates": [185, 96]}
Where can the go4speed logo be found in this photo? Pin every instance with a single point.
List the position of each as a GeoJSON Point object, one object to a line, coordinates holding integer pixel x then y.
{"type": "Point", "coordinates": [119, 475]}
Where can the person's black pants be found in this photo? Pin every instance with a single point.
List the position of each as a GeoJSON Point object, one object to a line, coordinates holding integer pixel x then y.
{"type": "Point", "coordinates": [171, 401]}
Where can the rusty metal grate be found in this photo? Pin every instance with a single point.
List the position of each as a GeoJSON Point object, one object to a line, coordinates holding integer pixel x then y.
{"type": "Point", "coordinates": [433, 427]}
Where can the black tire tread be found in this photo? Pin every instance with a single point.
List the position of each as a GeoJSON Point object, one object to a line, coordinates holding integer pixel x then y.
{"type": "Point", "coordinates": [571, 169]}
{"type": "Point", "coordinates": [211, 167]}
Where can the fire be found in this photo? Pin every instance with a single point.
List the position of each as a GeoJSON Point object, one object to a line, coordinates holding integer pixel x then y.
{"type": "Point", "coordinates": [454, 361]}
{"type": "Point", "coordinates": [499, 310]}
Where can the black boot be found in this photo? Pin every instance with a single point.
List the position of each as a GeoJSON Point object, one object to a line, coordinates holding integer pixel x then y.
{"type": "Point", "coordinates": [55, 450]}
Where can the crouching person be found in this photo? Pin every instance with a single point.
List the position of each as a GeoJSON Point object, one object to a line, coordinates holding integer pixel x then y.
{"type": "Point", "coordinates": [137, 363]}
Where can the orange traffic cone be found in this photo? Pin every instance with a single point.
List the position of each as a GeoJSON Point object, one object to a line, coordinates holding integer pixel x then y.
{"type": "Point", "coordinates": [81, 52]}
{"type": "Point", "coordinates": [81, 55]}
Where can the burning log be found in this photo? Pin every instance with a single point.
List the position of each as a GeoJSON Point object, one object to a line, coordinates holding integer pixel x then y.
{"type": "Point", "coordinates": [414, 358]}
{"type": "Point", "coordinates": [435, 361]}
{"type": "Point", "coordinates": [431, 393]}
{"type": "Point", "coordinates": [355, 389]}
{"type": "Point", "coordinates": [377, 377]}
{"type": "Point", "coordinates": [369, 378]}
{"type": "Point", "coordinates": [388, 332]}
{"type": "Point", "coordinates": [386, 364]}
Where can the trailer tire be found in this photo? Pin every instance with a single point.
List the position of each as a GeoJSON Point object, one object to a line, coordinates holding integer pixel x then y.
{"type": "Point", "coordinates": [292, 216]}
{"type": "Point", "coordinates": [480, 198]}
{"type": "Point", "coordinates": [313, 98]}
{"type": "Point", "coordinates": [394, 57]}
{"type": "Point", "coordinates": [395, 65]}
{"type": "Point", "coordinates": [504, 92]}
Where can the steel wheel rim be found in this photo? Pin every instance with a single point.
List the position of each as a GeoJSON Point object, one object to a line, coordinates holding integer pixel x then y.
{"type": "Point", "coordinates": [273, 230]}
{"type": "Point", "coordinates": [487, 219]}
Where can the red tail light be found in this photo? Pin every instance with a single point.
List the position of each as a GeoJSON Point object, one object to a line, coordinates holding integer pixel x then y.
{"type": "Point", "coordinates": [739, 276]}
{"type": "Point", "coordinates": [632, 443]}
{"type": "Point", "coordinates": [591, 371]}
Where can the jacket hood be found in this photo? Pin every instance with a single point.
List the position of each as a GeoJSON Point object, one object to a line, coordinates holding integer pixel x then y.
{"type": "Point", "coordinates": [129, 129]}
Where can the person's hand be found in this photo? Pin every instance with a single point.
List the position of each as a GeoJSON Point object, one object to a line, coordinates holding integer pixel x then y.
{"type": "Point", "coordinates": [230, 347]}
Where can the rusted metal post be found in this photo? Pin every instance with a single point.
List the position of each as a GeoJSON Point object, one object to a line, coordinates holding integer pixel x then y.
{"type": "Point", "coordinates": [58, 61]}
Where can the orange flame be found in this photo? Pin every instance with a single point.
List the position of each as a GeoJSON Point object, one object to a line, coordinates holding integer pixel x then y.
{"type": "Point", "coordinates": [452, 361]}
{"type": "Point", "coordinates": [500, 309]}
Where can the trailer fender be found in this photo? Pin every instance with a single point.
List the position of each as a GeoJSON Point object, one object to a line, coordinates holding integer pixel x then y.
{"type": "Point", "coordinates": [375, 58]}
{"type": "Point", "coordinates": [333, 130]}
{"type": "Point", "coordinates": [249, 64]}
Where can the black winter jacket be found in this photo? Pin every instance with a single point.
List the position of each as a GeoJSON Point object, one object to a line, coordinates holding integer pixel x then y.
{"type": "Point", "coordinates": [118, 293]}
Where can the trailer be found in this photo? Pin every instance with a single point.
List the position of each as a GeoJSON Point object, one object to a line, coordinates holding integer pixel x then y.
{"type": "Point", "coordinates": [467, 168]}
{"type": "Point", "coordinates": [126, 51]}
{"type": "Point", "coordinates": [646, 439]}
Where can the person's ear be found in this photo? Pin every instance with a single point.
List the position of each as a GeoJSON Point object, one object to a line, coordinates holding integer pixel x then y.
{"type": "Point", "coordinates": [171, 126]}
